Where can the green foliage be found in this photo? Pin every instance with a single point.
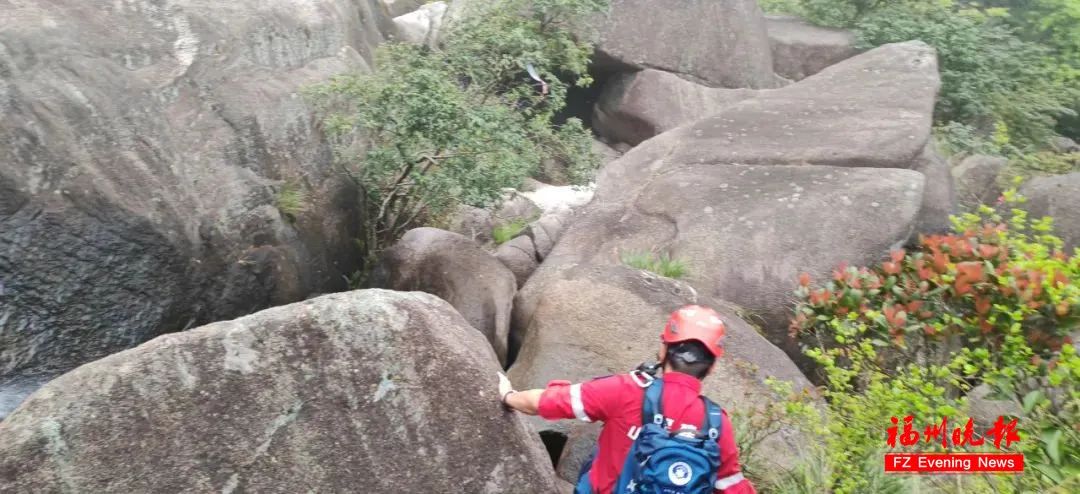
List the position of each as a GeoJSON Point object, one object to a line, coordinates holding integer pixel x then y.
{"type": "Point", "coordinates": [433, 128]}
{"type": "Point", "coordinates": [988, 75]}
{"type": "Point", "coordinates": [788, 410]}
{"type": "Point", "coordinates": [291, 200]}
{"type": "Point", "coordinates": [1040, 164]}
{"type": "Point", "coordinates": [504, 233]}
{"type": "Point", "coordinates": [792, 7]}
{"type": "Point", "coordinates": [663, 264]}
{"type": "Point", "coordinates": [955, 138]}
{"type": "Point", "coordinates": [993, 303]}
{"type": "Point", "coordinates": [1002, 75]}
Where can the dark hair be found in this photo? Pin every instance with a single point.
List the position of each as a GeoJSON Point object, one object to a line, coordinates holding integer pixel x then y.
{"type": "Point", "coordinates": [690, 357]}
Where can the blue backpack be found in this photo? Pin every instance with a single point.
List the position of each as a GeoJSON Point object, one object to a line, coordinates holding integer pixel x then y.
{"type": "Point", "coordinates": [662, 462]}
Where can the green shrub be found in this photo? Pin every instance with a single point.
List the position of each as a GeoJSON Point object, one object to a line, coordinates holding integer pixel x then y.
{"type": "Point", "coordinates": [663, 264]}
{"type": "Point", "coordinates": [1001, 74]}
{"type": "Point", "coordinates": [504, 233]}
{"type": "Point", "coordinates": [993, 303]}
{"type": "Point", "coordinates": [1044, 163]}
{"type": "Point", "coordinates": [432, 128]}
{"type": "Point", "coordinates": [291, 200]}
{"type": "Point", "coordinates": [989, 77]}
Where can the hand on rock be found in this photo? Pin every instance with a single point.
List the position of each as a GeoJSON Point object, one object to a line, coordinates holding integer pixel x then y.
{"type": "Point", "coordinates": [505, 388]}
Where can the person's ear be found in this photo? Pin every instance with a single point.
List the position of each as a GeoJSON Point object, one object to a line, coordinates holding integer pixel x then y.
{"type": "Point", "coordinates": [662, 354]}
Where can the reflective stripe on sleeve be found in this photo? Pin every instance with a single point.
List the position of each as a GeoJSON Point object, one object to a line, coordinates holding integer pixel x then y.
{"type": "Point", "coordinates": [729, 481]}
{"type": "Point", "coordinates": [576, 403]}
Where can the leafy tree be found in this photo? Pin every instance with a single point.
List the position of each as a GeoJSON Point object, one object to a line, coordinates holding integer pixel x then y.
{"type": "Point", "coordinates": [432, 128]}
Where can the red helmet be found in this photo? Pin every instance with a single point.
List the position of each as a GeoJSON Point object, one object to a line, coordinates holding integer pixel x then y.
{"type": "Point", "coordinates": [696, 323]}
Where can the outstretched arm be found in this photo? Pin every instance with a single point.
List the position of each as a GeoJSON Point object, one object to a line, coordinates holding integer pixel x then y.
{"type": "Point", "coordinates": [586, 401]}
{"type": "Point", "coordinates": [527, 402]}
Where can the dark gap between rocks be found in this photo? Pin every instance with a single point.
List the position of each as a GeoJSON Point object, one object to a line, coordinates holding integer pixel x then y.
{"type": "Point", "coordinates": [554, 442]}
{"type": "Point", "coordinates": [581, 100]}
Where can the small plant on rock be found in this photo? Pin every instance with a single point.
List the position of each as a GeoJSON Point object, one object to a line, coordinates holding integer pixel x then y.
{"type": "Point", "coordinates": [662, 264]}
{"type": "Point", "coordinates": [292, 201]}
{"type": "Point", "coordinates": [504, 233]}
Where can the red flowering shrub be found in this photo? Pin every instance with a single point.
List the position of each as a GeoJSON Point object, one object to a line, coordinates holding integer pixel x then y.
{"type": "Point", "coordinates": [992, 280]}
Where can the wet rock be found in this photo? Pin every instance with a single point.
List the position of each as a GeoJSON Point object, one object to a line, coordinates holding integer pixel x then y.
{"type": "Point", "coordinates": [146, 151]}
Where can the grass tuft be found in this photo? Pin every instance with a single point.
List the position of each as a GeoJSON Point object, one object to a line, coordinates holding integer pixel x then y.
{"type": "Point", "coordinates": [663, 264]}
{"type": "Point", "coordinates": [504, 233]}
{"type": "Point", "coordinates": [292, 200]}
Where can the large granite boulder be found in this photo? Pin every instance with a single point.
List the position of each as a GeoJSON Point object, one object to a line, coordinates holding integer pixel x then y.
{"type": "Point", "coordinates": [585, 321]}
{"type": "Point", "coordinates": [721, 44]}
{"type": "Point", "coordinates": [371, 390]}
{"type": "Point", "coordinates": [1057, 197]}
{"type": "Point", "coordinates": [159, 168]}
{"type": "Point", "coordinates": [798, 179]}
{"type": "Point", "coordinates": [456, 269]}
{"type": "Point", "coordinates": [636, 106]}
{"type": "Point", "coordinates": [801, 49]}
{"type": "Point", "coordinates": [873, 110]}
{"type": "Point", "coordinates": [747, 232]}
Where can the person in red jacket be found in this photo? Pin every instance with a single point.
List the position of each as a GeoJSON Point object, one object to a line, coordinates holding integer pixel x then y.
{"type": "Point", "coordinates": [691, 343]}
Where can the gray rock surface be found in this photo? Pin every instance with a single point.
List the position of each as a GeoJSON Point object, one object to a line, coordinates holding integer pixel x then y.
{"type": "Point", "coordinates": [747, 232]}
{"type": "Point", "coordinates": [396, 8]}
{"type": "Point", "coordinates": [365, 388]}
{"type": "Point", "coordinates": [976, 179]}
{"type": "Point", "coordinates": [519, 256]}
{"type": "Point", "coordinates": [455, 268]}
{"type": "Point", "coordinates": [422, 26]}
{"type": "Point", "coordinates": [143, 147]}
{"type": "Point", "coordinates": [473, 222]}
{"type": "Point", "coordinates": [585, 321]}
{"type": "Point", "coordinates": [873, 110]}
{"type": "Point", "coordinates": [721, 44]}
{"type": "Point", "coordinates": [1057, 197]}
{"type": "Point", "coordinates": [1063, 144]}
{"type": "Point", "coordinates": [801, 49]}
{"type": "Point", "coordinates": [516, 208]}
{"type": "Point", "coordinates": [636, 106]}
{"type": "Point", "coordinates": [939, 195]}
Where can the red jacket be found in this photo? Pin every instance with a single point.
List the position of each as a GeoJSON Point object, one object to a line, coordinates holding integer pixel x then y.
{"type": "Point", "coordinates": [616, 401]}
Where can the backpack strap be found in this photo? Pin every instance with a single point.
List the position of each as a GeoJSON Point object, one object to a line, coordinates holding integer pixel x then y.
{"type": "Point", "coordinates": [713, 423]}
{"type": "Point", "coordinates": [652, 410]}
